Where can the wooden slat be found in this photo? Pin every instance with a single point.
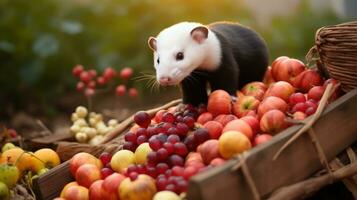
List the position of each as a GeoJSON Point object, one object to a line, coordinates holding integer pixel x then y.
{"type": "Point", "coordinates": [336, 130]}
{"type": "Point", "coordinates": [49, 185]}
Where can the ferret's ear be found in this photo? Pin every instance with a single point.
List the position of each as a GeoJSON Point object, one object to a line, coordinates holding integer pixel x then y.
{"type": "Point", "coordinates": [199, 34]}
{"type": "Point", "coordinates": [152, 43]}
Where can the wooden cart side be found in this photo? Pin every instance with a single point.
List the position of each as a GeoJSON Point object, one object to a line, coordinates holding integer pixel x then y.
{"type": "Point", "coordinates": [336, 130]}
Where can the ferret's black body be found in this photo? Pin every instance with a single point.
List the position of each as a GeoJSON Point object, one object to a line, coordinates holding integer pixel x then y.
{"type": "Point", "coordinates": [244, 59]}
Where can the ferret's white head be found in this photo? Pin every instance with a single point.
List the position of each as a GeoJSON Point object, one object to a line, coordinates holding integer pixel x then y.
{"type": "Point", "coordinates": [182, 48]}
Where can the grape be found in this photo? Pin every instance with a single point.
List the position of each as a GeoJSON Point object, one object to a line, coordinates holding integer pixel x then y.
{"type": "Point", "coordinates": [129, 146]}
{"type": "Point", "coordinates": [173, 139]}
{"type": "Point", "coordinates": [151, 130]}
{"type": "Point", "coordinates": [172, 131]}
{"type": "Point", "coordinates": [162, 137]}
{"type": "Point", "coordinates": [182, 129]}
{"type": "Point", "coordinates": [169, 147]}
{"type": "Point", "coordinates": [151, 171]}
{"type": "Point", "coordinates": [142, 119]}
{"type": "Point", "coordinates": [166, 126]}
{"type": "Point", "coordinates": [182, 186]}
{"type": "Point", "coordinates": [297, 98]}
{"type": "Point", "coordinates": [105, 157]}
{"type": "Point", "coordinates": [179, 118]}
{"type": "Point", "coordinates": [154, 143]}
{"type": "Point", "coordinates": [180, 149]}
{"type": "Point", "coordinates": [130, 136]}
{"type": "Point", "coordinates": [190, 143]}
{"type": "Point", "coordinates": [141, 169]}
{"type": "Point", "coordinates": [161, 168]}
{"type": "Point", "coordinates": [310, 110]}
{"type": "Point", "coordinates": [202, 108]}
{"type": "Point", "coordinates": [189, 107]}
{"type": "Point", "coordinates": [105, 172]}
{"type": "Point", "coordinates": [190, 113]}
{"type": "Point", "coordinates": [170, 187]}
{"type": "Point", "coordinates": [161, 183]}
{"type": "Point", "coordinates": [168, 117]}
{"type": "Point", "coordinates": [133, 176]}
{"type": "Point", "coordinates": [141, 139]}
{"type": "Point", "coordinates": [299, 107]}
{"type": "Point", "coordinates": [201, 135]}
{"type": "Point", "coordinates": [152, 157]}
{"type": "Point", "coordinates": [131, 168]}
{"type": "Point", "coordinates": [168, 173]}
{"type": "Point", "coordinates": [176, 160]}
{"type": "Point", "coordinates": [162, 154]}
{"type": "Point", "coordinates": [141, 131]}
{"type": "Point", "coordinates": [189, 121]}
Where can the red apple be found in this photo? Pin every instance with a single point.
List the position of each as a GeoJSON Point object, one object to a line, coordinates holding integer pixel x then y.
{"type": "Point", "coordinates": [281, 89]}
{"type": "Point", "coordinates": [287, 69]}
{"type": "Point", "coordinates": [316, 93]}
{"type": "Point", "coordinates": [193, 157]}
{"type": "Point", "coordinates": [219, 102]}
{"type": "Point", "coordinates": [262, 138]}
{"type": "Point", "coordinates": [255, 89]}
{"type": "Point", "coordinates": [83, 158]}
{"type": "Point", "coordinates": [307, 79]}
{"type": "Point", "coordinates": [217, 162]}
{"type": "Point", "coordinates": [224, 119]}
{"type": "Point", "coordinates": [214, 129]}
{"type": "Point", "coordinates": [76, 193]}
{"type": "Point", "coordinates": [204, 117]}
{"type": "Point", "coordinates": [273, 122]}
{"type": "Point", "coordinates": [95, 190]}
{"type": "Point", "coordinates": [268, 77]}
{"type": "Point", "coordinates": [253, 122]}
{"type": "Point", "coordinates": [271, 103]}
{"type": "Point", "coordinates": [240, 126]}
{"type": "Point", "coordinates": [86, 174]}
{"type": "Point", "coordinates": [209, 150]}
{"type": "Point", "coordinates": [110, 186]}
{"type": "Point", "coordinates": [244, 105]}
{"type": "Point", "coordinates": [296, 98]}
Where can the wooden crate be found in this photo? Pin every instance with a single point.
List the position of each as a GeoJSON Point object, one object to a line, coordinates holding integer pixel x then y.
{"type": "Point", "coordinates": [336, 130]}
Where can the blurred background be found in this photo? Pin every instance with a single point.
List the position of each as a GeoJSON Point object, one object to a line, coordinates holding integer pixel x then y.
{"type": "Point", "coordinates": [41, 41]}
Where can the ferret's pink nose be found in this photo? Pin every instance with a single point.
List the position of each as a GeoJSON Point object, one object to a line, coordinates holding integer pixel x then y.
{"type": "Point", "coordinates": [164, 80]}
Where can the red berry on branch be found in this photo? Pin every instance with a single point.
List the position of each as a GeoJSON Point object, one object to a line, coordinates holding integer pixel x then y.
{"type": "Point", "coordinates": [120, 90]}
{"type": "Point", "coordinates": [89, 92]}
{"type": "Point", "coordinates": [133, 92]}
{"type": "Point", "coordinates": [92, 73]}
{"type": "Point", "coordinates": [109, 73]}
{"type": "Point", "coordinates": [77, 70]}
{"type": "Point", "coordinates": [101, 80]}
{"type": "Point", "coordinates": [85, 77]}
{"type": "Point", "coordinates": [80, 86]}
{"type": "Point", "coordinates": [126, 73]}
{"type": "Point", "coordinates": [92, 84]}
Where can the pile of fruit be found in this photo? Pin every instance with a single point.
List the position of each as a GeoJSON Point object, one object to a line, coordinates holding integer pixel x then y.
{"type": "Point", "coordinates": [160, 154]}
{"type": "Point", "coordinates": [90, 128]}
{"type": "Point", "coordinates": [18, 165]}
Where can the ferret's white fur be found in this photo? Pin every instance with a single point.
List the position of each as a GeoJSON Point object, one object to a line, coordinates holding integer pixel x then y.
{"type": "Point", "coordinates": [177, 38]}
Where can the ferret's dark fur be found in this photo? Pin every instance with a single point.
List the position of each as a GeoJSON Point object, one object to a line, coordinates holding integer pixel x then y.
{"type": "Point", "coordinates": [244, 59]}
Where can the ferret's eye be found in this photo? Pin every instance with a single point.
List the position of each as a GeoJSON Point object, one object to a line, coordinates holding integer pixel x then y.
{"type": "Point", "coordinates": [158, 60]}
{"type": "Point", "coordinates": [179, 56]}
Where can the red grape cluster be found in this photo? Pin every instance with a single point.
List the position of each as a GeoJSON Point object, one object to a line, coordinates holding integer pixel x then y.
{"type": "Point", "coordinates": [298, 102]}
{"type": "Point", "coordinates": [89, 80]}
{"type": "Point", "coordinates": [105, 158]}
{"type": "Point", "coordinates": [171, 136]}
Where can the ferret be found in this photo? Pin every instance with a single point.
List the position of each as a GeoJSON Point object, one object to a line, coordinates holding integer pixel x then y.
{"type": "Point", "coordinates": [225, 55]}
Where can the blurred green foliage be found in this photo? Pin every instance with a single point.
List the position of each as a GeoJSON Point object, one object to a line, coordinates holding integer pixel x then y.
{"type": "Point", "coordinates": [40, 41]}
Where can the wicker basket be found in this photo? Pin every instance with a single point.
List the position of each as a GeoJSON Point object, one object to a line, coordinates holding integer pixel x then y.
{"type": "Point", "coordinates": [337, 49]}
